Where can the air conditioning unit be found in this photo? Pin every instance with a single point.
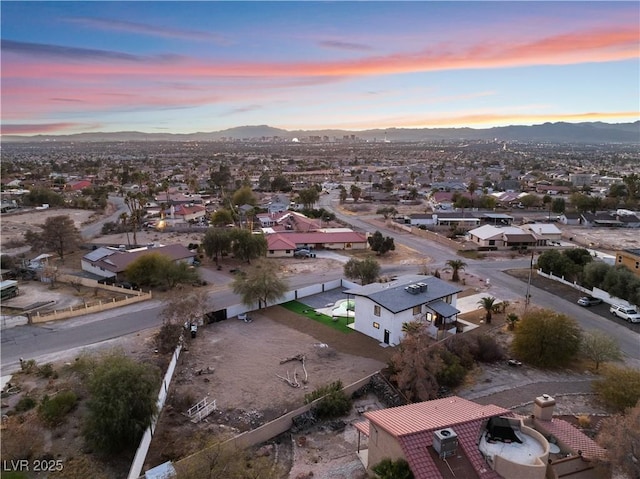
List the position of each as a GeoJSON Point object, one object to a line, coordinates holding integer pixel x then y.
{"type": "Point", "coordinates": [412, 289]}
{"type": "Point", "coordinates": [422, 286]}
{"type": "Point", "coordinates": [445, 442]}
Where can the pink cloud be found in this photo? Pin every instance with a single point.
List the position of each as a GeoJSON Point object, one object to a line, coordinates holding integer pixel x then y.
{"type": "Point", "coordinates": [29, 129]}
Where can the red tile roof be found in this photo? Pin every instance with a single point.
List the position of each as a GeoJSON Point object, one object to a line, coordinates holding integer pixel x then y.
{"type": "Point", "coordinates": [431, 415]}
{"type": "Point", "coordinates": [277, 242]}
{"type": "Point", "coordinates": [572, 437]}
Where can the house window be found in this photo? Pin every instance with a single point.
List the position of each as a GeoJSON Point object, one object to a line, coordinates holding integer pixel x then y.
{"type": "Point", "coordinates": [417, 309]}
{"type": "Point", "coordinates": [288, 251]}
{"type": "Point", "coordinates": [429, 317]}
{"type": "Point", "coordinates": [270, 251]}
{"type": "Point", "coordinates": [376, 325]}
{"type": "Point", "coordinates": [492, 242]}
{"type": "Point", "coordinates": [376, 310]}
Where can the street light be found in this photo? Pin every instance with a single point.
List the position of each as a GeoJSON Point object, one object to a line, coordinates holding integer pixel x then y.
{"type": "Point", "coordinates": [527, 298]}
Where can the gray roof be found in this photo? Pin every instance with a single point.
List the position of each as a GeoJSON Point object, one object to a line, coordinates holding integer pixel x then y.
{"type": "Point", "coordinates": [443, 309]}
{"type": "Point", "coordinates": [393, 296]}
{"type": "Point", "coordinates": [98, 253]}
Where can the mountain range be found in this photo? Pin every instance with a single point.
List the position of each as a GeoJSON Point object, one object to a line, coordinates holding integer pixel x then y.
{"type": "Point", "coordinates": [561, 132]}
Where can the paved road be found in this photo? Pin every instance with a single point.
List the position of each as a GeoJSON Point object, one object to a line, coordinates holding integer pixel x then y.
{"type": "Point", "coordinates": [35, 341]}
{"type": "Point", "coordinates": [94, 229]}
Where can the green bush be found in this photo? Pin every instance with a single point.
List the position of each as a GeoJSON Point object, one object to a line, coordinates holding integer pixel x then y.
{"type": "Point", "coordinates": [333, 405]}
{"type": "Point", "coordinates": [452, 373]}
{"type": "Point", "coordinates": [24, 404]}
{"type": "Point", "coordinates": [388, 469]}
{"type": "Point", "coordinates": [322, 391]}
{"type": "Point", "coordinates": [47, 371]}
{"type": "Point", "coordinates": [53, 410]}
{"type": "Point", "coordinates": [619, 387]}
{"type": "Point", "coordinates": [334, 402]}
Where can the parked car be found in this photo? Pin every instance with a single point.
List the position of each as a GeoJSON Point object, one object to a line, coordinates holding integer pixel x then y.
{"type": "Point", "coordinates": [303, 253]}
{"type": "Point", "coordinates": [589, 301]}
{"type": "Point", "coordinates": [625, 312]}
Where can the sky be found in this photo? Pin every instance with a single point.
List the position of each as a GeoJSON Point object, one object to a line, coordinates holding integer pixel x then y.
{"type": "Point", "coordinates": [184, 67]}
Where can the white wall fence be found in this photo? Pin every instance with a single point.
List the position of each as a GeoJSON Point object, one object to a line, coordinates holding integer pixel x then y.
{"type": "Point", "coordinates": [292, 295]}
{"type": "Point", "coordinates": [595, 292]}
{"type": "Point", "coordinates": [141, 454]}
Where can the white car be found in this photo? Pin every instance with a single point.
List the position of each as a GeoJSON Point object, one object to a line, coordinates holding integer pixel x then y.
{"type": "Point", "coordinates": [625, 312]}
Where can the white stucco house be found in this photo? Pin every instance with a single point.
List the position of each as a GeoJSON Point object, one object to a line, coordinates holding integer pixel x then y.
{"type": "Point", "coordinates": [382, 308]}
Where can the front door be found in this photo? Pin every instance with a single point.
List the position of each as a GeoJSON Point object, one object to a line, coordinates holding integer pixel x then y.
{"type": "Point", "coordinates": [387, 333]}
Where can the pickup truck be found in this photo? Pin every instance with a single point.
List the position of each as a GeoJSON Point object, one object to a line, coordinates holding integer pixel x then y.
{"type": "Point", "coordinates": [625, 312]}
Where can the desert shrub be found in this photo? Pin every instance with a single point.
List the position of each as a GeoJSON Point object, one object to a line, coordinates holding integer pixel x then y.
{"type": "Point", "coordinates": [25, 441]}
{"type": "Point", "coordinates": [318, 392]}
{"type": "Point", "coordinates": [488, 350]}
{"type": "Point", "coordinates": [168, 337]}
{"type": "Point", "coordinates": [619, 387]}
{"type": "Point", "coordinates": [452, 372]}
{"type": "Point", "coordinates": [47, 371]}
{"type": "Point", "coordinates": [183, 400]}
{"type": "Point", "coordinates": [465, 347]}
{"type": "Point", "coordinates": [25, 404]}
{"type": "Point", "coordinates": [29, 366]}
{"type": "Point", "coordinates": [52, 410]}
{"type": "Point", "coordinates": [334, 404]}
{"type": "Point", "coordinates": [389, 469]}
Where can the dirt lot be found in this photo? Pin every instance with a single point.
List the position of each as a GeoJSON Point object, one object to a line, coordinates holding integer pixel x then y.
{"type": "Point", "coordinates": [239, 362]}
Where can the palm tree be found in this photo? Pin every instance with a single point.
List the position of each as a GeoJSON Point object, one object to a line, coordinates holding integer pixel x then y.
{"type": "Point", "coordinates": [456, 265]}
{"type": "Point", "coordinates": [412, 327]}
{"type": "Point", "coordinates": [487, 304]}
{"type": "Point", "coordinates": [512, 319]}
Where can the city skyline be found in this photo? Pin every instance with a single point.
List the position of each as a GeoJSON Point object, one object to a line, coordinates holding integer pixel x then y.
{"type": "Point", "coordinates": [184, 67]}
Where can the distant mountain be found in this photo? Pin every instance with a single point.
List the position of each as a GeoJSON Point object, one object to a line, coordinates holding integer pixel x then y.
{"type": "Point", "coordinates": [588, 132]}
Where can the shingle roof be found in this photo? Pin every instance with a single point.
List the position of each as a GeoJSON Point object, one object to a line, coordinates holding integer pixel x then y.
{"type": "Point", "coordinates": [393, 297]}
{"type": "Point", "coordinates": [119, 261]}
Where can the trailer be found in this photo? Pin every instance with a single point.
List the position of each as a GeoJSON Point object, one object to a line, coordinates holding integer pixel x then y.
{"type": "Point", "coordinates": [9, 289]}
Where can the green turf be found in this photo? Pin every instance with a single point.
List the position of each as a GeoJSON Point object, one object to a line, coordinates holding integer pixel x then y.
{"type": "Point", "coordinates": [304, 310]}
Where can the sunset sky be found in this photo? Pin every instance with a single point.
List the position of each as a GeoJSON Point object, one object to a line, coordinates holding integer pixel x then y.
{"type": "Point", "coordinates": [181, 67]}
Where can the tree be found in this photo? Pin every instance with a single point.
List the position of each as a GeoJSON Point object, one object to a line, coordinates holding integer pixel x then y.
{"type": "Point", "coordinates": [487, 303]}
{"type": "Point", "coordinates": [546, 339]}
{"type": "Point", "coordinates": [600, 347]}
{"type": "Point", "coordinates": [619, 387]}
{"type": "Point", "coordinates": [456, 265]}
{"type": "Point", "coordinates": [388, 469]}
{"type": "Point", "coordinates": [356, 192]}
{"type": "Point", "coordinates": [182, 307]}
{"type": "Point", "coordinates": [135, 202]}
{"type": "Point", "coordinates": [620, 436]}
{"type": "Point", "coordinates": [387, 211]}
{"type": "Point", "coordinates": [244, 196]}
{"type": "Point", "coordinates": [366, 270]}
{"type": "Point", "coordinates": [512, 319]}
{"type": "Point", "coordinates": [415, 367]}
{"type": "Point", "coordinates": [217, 242]}
{"type": "Point", "coordinates": [259, 285]}
{"type": "Point", "coordinates": [558, 205]}
{"type": "Point", "coordinates": [280, 183]}
{"type": "Point", "coordinates": [222, 217]}
{"type": "Point", "coordinates": [343, 194]}
{"type": "Point", "coordinates": [247, 246]}
{"type": "Point", "coordinates": [58, 234]}
{"type": "Point", "coordinates": [122, 403]}
{"type": "Point", "coordinates": [156, 269]}
{"type": "Point", "coordinates": [380, 244]}
{"type": "Point", "coordinates": [308, 197]}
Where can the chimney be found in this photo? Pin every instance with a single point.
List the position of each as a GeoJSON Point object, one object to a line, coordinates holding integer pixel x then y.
{"type": "Point", "coordinates": [543, 407]}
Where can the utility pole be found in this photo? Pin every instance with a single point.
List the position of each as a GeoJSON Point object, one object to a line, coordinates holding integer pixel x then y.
{"type": "Point", "coordinates": [527, 298]}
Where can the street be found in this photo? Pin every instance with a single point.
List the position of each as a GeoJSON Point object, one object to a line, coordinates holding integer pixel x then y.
{"type": "Point", "coordinates": [38, 341]}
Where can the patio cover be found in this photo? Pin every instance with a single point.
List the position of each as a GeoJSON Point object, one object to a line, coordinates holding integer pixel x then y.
{"type": "Point", "coordinates": [443, 309]}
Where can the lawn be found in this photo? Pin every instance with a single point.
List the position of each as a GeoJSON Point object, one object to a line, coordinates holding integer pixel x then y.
{"type": "Point", "coordinates": [304, 310]}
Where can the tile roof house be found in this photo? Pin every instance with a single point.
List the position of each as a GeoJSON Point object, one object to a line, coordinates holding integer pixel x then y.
{"type": "Point", "coordinates": [322, 239]}
{"type": "Point", "coordinates": [453, 437]}
{"type": "Point", "coordinates": [112, 262]}
{"type": "Point", "coordinates": [382, 308]}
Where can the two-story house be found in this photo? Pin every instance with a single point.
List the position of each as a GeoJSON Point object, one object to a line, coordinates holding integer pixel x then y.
{"type": "Point", "coordinates": [382, 308]}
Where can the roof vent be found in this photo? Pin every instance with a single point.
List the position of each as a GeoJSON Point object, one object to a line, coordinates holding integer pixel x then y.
{"type": "Point", "coordinates": [445, 442]}
{"type": "Point", "coordinates": [412, 289]}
